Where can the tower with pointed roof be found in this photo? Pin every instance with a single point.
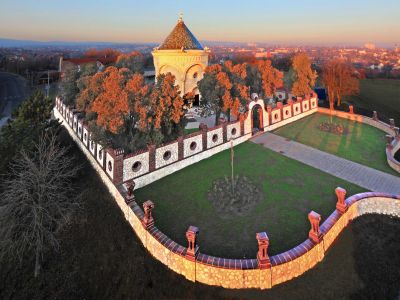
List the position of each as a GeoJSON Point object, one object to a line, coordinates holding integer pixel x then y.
{"type": "Point", "coordinates": [182, 55]}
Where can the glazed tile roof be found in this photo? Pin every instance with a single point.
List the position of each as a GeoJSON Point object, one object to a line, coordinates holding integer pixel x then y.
{"type": "Point", "coordinates": [181, 37]}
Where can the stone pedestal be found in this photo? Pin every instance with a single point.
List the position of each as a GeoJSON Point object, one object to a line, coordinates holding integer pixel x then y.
{"type": "Point", "coordinates": [341, 205]}
{"type": "Point", "coordinates": [148, 220]}
{"type": "Point", "coordinates": [315, 234]}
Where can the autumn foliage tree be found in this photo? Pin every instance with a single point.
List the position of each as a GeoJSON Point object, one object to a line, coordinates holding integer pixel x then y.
{"type": "Point", "coordinates": [304, 75]}
{"type": "Point", "coordinates": [224, 90]}
{"type": "Point", "coordinates": [165, 112]}
{"type": "Point", "coordinates": [339, 80]}
{"type": "Point", "coordinates": [111, 104]}
{"type": "Point", "coordinates": [107, 52]}
{"type": "Point", "coordinates": [270, 78]}
{"type": "Point", "coordinates": [126, 111]}
{"type": "Point", "coordinates": [133, 61]}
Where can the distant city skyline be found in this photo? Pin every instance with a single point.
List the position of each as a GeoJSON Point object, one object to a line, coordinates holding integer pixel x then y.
{"type": "Point", "coordinates": [306, 22]}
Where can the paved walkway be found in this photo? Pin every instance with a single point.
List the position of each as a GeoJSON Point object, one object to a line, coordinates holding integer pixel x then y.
{"type": "Point", "coordinates": [361, 175]}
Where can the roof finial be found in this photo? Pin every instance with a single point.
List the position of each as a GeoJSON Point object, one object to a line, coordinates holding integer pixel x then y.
{"type": "Point", "coordinates": [180, 20]}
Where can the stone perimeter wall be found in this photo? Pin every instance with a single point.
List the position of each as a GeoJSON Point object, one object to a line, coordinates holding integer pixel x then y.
{"type": "Point", "coordinates": [148, 165]}
{"type": "Point", "coordinates": [393, 136]}
{"type": "Point", "coordinates": [263, 271]}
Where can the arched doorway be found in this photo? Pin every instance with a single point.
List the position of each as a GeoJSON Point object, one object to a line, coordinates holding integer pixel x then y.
{"type": "Point", "coordinates": [257, 119]}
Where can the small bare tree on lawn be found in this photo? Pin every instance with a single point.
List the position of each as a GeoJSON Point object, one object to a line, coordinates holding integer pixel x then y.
{"type": "Point", "coordinates": [38, 198]}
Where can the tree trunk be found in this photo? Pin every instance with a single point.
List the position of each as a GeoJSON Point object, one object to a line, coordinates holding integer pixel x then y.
{"type": "Point", "coordinates": [331, 104]}
{"type": "Point", "coordinates": [217, 114]}
{"type": "Point", "coordinates": [37, 263]}
{"type": "Point", "coordinates": [339, 100]}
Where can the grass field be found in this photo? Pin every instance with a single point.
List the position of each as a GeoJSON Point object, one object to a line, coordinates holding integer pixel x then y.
{"type": "Point", "coordinates": [363, 144]}
{"type": "Point", "coordinates": [189, 131]}
{"type": "Point", "coordinates": [382, 95]}
{"type": "Point", "coordinates": [101, 258]}
{"type": "Point", "coordinates": [290, 189]}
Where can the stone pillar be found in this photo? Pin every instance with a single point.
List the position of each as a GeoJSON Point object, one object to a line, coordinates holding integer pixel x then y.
{"type": "Point", "coordinates": [300, 100]}
{"type": "Point", "coordinates": [269, 110]}
{"type": "Point", "coordinates": [341, 205]}
{"type": "Point", "coordinates": [280, 106]}
{"type": "Point", "coordinates": [290, 102]}
{"type": "Point", "coordinates": [224, 131]}
{"type": "Point", "coordinates": [152, 157]}
{"type": "Point", "coordinates": [130, 186]}
{"type": "Point", "coordinates": [262, 254]}
{"type": "Point", "coordinates": [396, 133]}
{"type": "Point", "coordinates": [203, 128]}
{"type": "Point", "coordinates": [241, 126]}
{"type": "Point", "coordinates": [375, 116]}
{"type": "Point", "coordinates": [193, 248]}
{"type": "Point", "coordinates": [315, 234]}
{"type": "Point", "coordinates": [189, 264]}
{"type": "Point", "coordinates": [351, 109]}
{"type": "Point", "coordinates": [148, 220]}
{"type": "Point", "coordinates": [180, 148]}
{"type": "Point", "coordinates": [389, 140]}
{"type": "Point", "coordinates": [118, 156]}
{"type": "Point", "coordinates": [391, 123]}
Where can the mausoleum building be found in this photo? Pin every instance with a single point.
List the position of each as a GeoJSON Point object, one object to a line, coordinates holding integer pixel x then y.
{"type": "Point", "coordinates": [182, 55]}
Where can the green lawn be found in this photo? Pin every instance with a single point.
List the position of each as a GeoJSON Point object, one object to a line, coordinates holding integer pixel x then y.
{"type": "Point", "coordinates": [291, 189]}
{"type": "Point", "coordinates": [189, 131]}
{"type": "Point", "coordinates": [363, 144]}
{"type": "Point", "coordinates": [382, 95]}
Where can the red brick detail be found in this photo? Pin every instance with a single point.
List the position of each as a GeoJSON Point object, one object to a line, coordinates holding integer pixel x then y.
{"type": "Point", "coordinates": [315, 234]}
{"type": "Point", "coordinates": [193, 248]}
{"type": "Point", "coordinates": [180, 148]}
{"type": "Point", "coordinates": [118, 156]}
{"type": "Point", "coordinates": [224, 132]}
{"type": "Point", "coordinates": [262, 254]}
{"type": "Point", "coordinates": [241, 127]}
{"type": "Point", "coordinates": [300, 100]}
{"type": "Point", "coordinates": [203, 128]}
{"type": "Point", "coordinates": [269, 110]}
{"type": "Point", "coordinates": [152, 157]}
{"type": "Point", "coordinates": [279, 105]}
{"type": "Point", "coordinates": [130, 186]}
{"type": "Point", "coordinates": [341, 205]}
{"type": "Point", "coordinates": [148, 220]}
{"type": "Point", "coordinates": [290, 102]}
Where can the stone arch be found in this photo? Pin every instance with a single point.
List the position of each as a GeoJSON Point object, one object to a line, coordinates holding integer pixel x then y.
{"type": "Point", "coordinates": [164, 69]}
{"type": "Point", "coordinates": [248, 120]}
{"type": "Point", "coordinates": [193, 74]}
{"type": "Point", "coordinates": [257, 118]}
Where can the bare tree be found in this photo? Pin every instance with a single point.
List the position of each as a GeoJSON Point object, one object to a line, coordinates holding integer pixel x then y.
{"type": "Point", "coordinates": [38, 198]}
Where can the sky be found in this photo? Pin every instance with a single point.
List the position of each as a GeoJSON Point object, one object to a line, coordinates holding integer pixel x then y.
{"type": "Point", "coordinates": [310, 22]}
